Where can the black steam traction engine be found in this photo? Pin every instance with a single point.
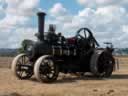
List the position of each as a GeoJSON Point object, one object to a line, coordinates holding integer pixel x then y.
{"type": "Point", "coordinates": [53, 53]}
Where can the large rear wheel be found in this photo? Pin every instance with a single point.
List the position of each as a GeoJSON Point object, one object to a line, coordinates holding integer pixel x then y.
{"type": "Point", "coordinates": [21, 67]}
{"type": "Point", "coordinates": [102, 64]}
{"type": "Point", "coordinates": [45, 69]}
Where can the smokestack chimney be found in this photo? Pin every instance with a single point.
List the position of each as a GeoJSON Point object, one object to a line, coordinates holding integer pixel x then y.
{"type": "Point", "coordinates": [41, 23]}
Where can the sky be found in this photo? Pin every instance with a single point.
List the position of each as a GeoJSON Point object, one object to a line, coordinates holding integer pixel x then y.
{"type": "Point", "coordinates": [108, 19]}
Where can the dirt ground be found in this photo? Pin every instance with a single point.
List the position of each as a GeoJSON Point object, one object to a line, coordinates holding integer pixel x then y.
{"type": "Point", "coordinates": [66, 85]}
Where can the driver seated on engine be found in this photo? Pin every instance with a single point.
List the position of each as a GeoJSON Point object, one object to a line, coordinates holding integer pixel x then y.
{"type": "Point", "coordinates": [52, 37]}
{"type": "Point", "coordinates": [61, 39]}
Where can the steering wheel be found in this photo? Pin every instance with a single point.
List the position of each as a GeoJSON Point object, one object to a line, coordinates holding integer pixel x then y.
{"type": "Point", "coordinates": [86, 35]}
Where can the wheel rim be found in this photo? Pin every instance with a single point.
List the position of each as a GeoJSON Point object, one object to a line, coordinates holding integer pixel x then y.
{"type": "Point", "coordinates": [105, 64]}
{"type": "Point", "coordinates": [47, 69]}
{"type": "Point", "coordinates": [22, 71]}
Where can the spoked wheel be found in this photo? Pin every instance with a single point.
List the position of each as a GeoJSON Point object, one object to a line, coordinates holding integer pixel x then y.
{"type": "Point", "coordinates": [85, 35]}
{"type": "Point", "coordinates": [21, 67]}
{"type": "Point", "coordinates": [102, 64]}
{"type": "Point", "coordinates": [45, 69]}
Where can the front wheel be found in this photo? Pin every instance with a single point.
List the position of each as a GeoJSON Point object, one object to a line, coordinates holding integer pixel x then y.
{"type": "Point", "coordinates": [21, 67]}
{"type": "Point", "coordinates": [45, 69]}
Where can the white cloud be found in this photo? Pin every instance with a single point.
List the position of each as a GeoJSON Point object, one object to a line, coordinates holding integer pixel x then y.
{"type": "Point", "coordinates": [106, 18]}
{"type": "Point", "coordinates": [21, 34]}
{"type": "Point", "coordinates": [95, 3]}
{"type": "Point", "coordinates": [105, 21]}
{"type": "Point", "coordinates": [22, 7]}
{"type": "Point", "coordinates": [125, 28]}
{"type": "Point", "coordinates": [10, 39]}
{"type": "Point", "coordinates": [13, 24]}
{"type": "Point", "coordinates": [11, 21]}
{"type": "Point", "coordinates": [58, 10]}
